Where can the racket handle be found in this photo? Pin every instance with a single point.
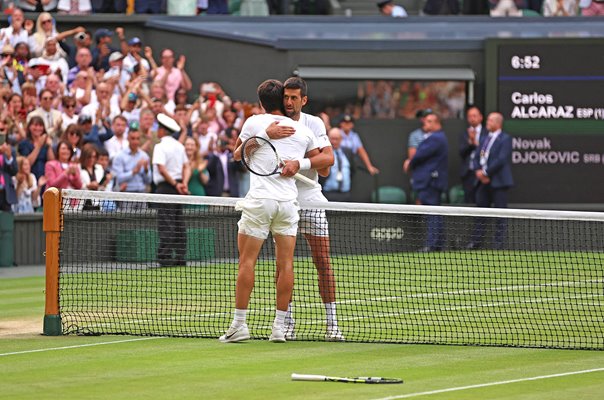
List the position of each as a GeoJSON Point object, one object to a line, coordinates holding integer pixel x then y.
{"type": "Point", "coordinates": [304, 377]}
{"type": "Point", "coordinates": [305, 179]}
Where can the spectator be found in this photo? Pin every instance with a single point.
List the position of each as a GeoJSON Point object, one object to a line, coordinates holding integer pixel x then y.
{"type": "Point", "coordinates": [37, 147]}
{"type": "Point", "coordinates": [131, 166]}
{"type": "Point", "coordinates": [109, 6]}
{"type": "Point", "coordinates": [102, 51]}
{"type": "Point", "coordinates": [181, 98]}
{"type": "Point", "coordinates": [224, 170]}
{"type": "Point", "coordinates": [560, 8]}
{"type": "Point", "coordinates": [81, 40]}
{"type": "Point", "coordinates": [441, 7]}
{"type": "Point", "coordinates": [8, 71]}
{"type": "Point", "coordinates": [119, 140]}
{"type": "Point", "coordinates": [74, 137]}
{"type": "Point", "coordinates": [388, 8]}
{"type": "Point", "coordinates": [148, 7]}
{"type": "Point", "coordinates": [21, 60]}
{"type": "Point", "coordinates": [149, 136]}
{"type": "Point", "coordinates": [68, 116]}
{"type": "Point", "coordinates": [170, 78]}
{"type": "Point", "coordinates": [207, 140]}
{"type": "Point", "coordinates": [103, 106]}
{"type": "Point", "coordinates": [63, 173]}
{"type": "Point", "coordinates": [37, 5]}
{"type": "Point", "coordinates": [51, 117]}
{"type": "Point", "coordinates": [338, 184]}
{"type": "Point", "coordinates": [83, 61]}
{"type": "Point", "coordinates": [96, 134]}
{"type": "Point", "coordinates": [493, 168]}
{"type": "Point", "coordinates": [27, 188]}
{"type": "Point", "coordinates": [45, 28]}
{"type": "Point", "coordinates": [417, 136]}
{"type": "Point", "coordinates": [429, 177]}
{"type": "Point", "coordinates": [591, 8]}
{"type": "Point", "coordinates": [55, 58]}
{"type": "Point", "coordinates": [134, 57]}
{"type": "Point", "coordinates": [507, 8]}
{"type": "Point", "coordinates": [182, 117]}
{"type": "Point", "coordinates": [352, 140]}
{"type": "Point", "coordinates": [130, 110]}
{"type": "Point", "coordinates": [81, 89]}
{"type": "Point", "coordinates": [38, 71]}
{"type": "Point", "coordinates": [211, 95]}
{"type": "Point", "coordinates": [15, 119]}
{"type": "Point", "coordinates": [77, 7]}
{"type": "Point", "coordinates": [19, 29]}
{"type": "Point", "coordinates": [57, 88]}
{"type": "Point", "coordinates": [218, 7]}
{"type": "Point", "coordinates": [199, 173]}
{"type": "Point", "coordinates": [468, 143]}
{"type": "Point", "coordinates": [30, 97]}
{"type": "Point", "coordinates": [8, 169]}
{"type": "Point", "coordinates": [117, 76]}
{"type": "Point", "coordinates": [91, 173]}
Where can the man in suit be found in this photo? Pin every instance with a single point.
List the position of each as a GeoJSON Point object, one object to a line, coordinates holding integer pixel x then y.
{"type": "Point", "coordinates": [338, 184]}
{"type": "Point", "coordinates": [8, 169]}
{"type": "Point", "coordinates": [493, 171]}
{"type": "Point", "coordinates": [51, 117]}
{"type": "Point", "coordinates": [429, 178]}
{"type": "Point", "coordinates": [224, 170]}
{"type": "Point", "coordinates": [468, 142]}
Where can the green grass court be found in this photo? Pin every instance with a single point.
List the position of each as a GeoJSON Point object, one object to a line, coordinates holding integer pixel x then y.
{"type": "Point", "coordinates": [126, 367]}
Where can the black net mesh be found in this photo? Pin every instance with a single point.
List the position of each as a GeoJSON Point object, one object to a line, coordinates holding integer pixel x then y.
{"type": "Point", "coordinates": [145, 268]}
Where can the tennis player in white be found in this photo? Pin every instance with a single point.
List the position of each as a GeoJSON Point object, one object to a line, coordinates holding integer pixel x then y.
{"type": "Point", "coordinates": [270, 205]}
{"type": "Point", "coordinates": [313, 223]}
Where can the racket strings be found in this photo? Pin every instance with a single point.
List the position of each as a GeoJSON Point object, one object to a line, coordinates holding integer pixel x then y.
{"type": "Point", "coordinates": [259, 157]}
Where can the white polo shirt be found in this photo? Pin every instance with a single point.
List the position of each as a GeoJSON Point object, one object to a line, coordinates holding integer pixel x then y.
{"type": "Point", "coordinates": [294, 147]}
{"type": "Point", "coordinates": [317, 126]}
{"type": "Point", "coordinates": [170, 153]}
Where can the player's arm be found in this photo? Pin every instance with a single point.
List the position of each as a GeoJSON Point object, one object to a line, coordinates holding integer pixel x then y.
{"type": "Point", "coordinates": [323, 161]}
{"type": "Point", "coordinates": [237, 152]}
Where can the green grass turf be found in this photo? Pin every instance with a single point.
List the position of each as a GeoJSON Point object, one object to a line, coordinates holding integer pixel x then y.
{"type": "Point", "coordinates": [551, 299]}
{"type": "Point", "coordinates": [162, 368]}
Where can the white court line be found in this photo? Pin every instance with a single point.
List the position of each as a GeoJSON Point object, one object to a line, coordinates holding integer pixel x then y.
{"type": "Point", "coordinates": [481, 385]}
{"type": "Point", "coordinates": [78, 346]}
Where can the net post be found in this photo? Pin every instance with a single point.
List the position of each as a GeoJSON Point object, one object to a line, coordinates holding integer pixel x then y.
{"type": "Point", "coordinates": [52, 228]}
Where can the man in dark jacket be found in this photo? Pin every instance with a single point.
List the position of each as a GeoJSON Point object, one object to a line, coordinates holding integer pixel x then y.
{"type": "Point", "coordinates": [8, 169]}
{"type": "Point", "coordinates": [224, 170]}
{"type": "Point", "coordinates": [429, 177]}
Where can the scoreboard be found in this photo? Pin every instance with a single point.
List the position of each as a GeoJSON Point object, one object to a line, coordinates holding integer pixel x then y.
{"type": "Point", "coordinates": [551, 95]}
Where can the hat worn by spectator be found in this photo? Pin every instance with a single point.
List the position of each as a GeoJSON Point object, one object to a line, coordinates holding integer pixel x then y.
{"type": "Point", "coordinates": [383, 3]}
{"type": "Point", "coordinates": [115, 56]}
{"type": "Point", "coordinates": [347, 118]}
{"type": "Point", "coordinates": [84, 118]}
{"type": "Point", "coordinates": [134, 41]}
{"type": "Point", "coordinates": [132, 97]}
{"type": "Point", "coordinates": [101, 33]}
{"type": "Point", "coordinates": [36, 62]}
{"type": "Point", "coordinates": [422, 113]}
{"type": "Point", "coordinates": [168, 123]}
{"type": "Point", "coordinates": [8, 49]}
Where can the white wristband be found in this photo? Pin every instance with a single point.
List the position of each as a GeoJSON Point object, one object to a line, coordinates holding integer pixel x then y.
{"type": "Point", "coordinates": [304, 164]}
{"type": "Point", "coordinates": [263, 135]}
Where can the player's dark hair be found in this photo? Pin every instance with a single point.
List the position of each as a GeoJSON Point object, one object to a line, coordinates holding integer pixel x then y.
{"type": "Point", "coordinates": [270, 94]}
{"type": "Point", "coordinates": [296, 83]}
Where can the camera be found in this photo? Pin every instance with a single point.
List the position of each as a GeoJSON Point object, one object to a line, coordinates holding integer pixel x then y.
{"type": "Point", "coordinates": [80, 36]}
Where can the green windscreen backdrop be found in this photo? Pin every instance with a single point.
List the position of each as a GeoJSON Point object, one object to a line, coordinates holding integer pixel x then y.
{"type": "Point", "coordinates": [551, 94]}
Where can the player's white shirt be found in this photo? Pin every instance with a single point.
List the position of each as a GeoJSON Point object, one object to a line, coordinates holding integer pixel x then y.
{"type": "Point", "coordinates": [294, 147]}
{"type": "Point", "coordinates": [317, 126]}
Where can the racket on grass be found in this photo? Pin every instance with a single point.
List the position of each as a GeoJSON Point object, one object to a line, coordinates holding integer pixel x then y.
{"type": "Point", "coordinates": [261, 158]}
{"type": "Point", "coordinates": [361, 379]}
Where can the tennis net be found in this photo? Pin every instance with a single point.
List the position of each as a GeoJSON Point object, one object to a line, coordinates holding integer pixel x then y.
{"type": "Point", "coordinates": [404, 274]}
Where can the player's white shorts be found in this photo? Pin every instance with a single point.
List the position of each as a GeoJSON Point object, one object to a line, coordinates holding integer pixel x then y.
{"type": "Point", "coordinates": [259, 216]}
{"type": "Point", "coordinates": [313, 222]}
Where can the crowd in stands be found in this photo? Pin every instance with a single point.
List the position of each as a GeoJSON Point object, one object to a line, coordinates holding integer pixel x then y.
{"type": "Point", "coordinates": [495, 8]}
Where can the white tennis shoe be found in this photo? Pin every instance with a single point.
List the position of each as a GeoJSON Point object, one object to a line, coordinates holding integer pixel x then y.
{"type": "Point", "coordinates": [290, 330]}
{"type": "Point", "coordinates": [334, 334]}
{"type": "Point", "coordinates": [235, 334]}
{"type": "Point", "coordinates": [277, 335]}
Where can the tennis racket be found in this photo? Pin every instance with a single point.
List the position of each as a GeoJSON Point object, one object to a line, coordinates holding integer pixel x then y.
{"type": "Point", "coordinates": [361, 379]}
{"type": "Point", "coordinates": [261, 158]}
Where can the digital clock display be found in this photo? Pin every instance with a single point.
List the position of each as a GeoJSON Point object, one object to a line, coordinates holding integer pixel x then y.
{"type": "Point", "coordinates": [528, 62]}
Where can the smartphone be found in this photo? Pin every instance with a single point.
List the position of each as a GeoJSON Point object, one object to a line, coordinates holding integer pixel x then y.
{"type": "Point", "coordinates": [2, 139]}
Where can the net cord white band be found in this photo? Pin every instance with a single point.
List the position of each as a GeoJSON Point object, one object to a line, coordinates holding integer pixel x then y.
{"type": "Point", "coordinates": [337, 206]}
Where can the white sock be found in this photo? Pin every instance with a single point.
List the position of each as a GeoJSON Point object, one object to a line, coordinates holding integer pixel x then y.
{"type": "Point", "coordinates": [280, 318]}
{"type": "Point", "coordinates": [330, 313]}
{"type": "Point", "coordinates": [239, 318]}
{"type": "Point", "coordinates": [289, 317]}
